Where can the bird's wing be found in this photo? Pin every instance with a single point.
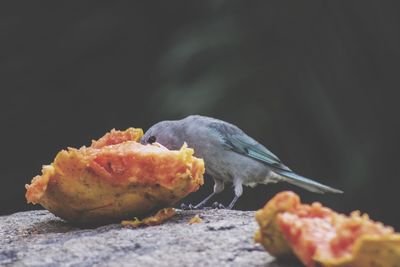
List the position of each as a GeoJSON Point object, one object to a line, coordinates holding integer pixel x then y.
{"type": "Point", "coordinates": [236, 140]}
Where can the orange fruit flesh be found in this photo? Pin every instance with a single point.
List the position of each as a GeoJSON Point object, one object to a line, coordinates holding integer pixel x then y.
{"type": "Point", "coordinates": [117, 137]}
{"type": "Point", "coordinates": [143, 164]}
{"type": "Point", "coordinates": [318, 236]}
{"type": "Point", "coordinates": [115, 178]}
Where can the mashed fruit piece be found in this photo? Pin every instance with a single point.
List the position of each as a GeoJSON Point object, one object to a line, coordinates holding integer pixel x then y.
{"type": "Point", "coordinates": [115, 178]}
{"type": "Point", "coordinates": [318, 236]}
{"type": "Point", "coordinates": [195, 219]}
{"type": "Point", "coordinates": [158, 218]}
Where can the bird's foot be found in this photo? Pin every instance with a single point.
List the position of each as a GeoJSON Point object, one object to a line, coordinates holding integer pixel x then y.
{"type": "Point", "coordinates": [189, 206]}
{"type": "Point", "coordinates": [217, 205]}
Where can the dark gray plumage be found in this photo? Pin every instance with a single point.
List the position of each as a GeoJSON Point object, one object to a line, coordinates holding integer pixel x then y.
{"type": "Point", "coordinates": [229, 154]}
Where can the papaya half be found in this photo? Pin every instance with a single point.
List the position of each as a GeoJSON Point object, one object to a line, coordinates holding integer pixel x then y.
{"type": "Point", "coordinates": [115, 178]}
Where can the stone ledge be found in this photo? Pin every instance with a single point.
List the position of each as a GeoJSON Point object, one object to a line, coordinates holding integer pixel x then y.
{"type": "Point", "coordinates": [224, 238]}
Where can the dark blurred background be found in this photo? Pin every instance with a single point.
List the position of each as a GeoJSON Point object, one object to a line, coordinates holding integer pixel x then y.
{"type": "Point", "coordinates": [316, 82]}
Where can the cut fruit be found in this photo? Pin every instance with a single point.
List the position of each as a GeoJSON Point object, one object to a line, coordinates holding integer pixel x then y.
{"type": "Point", "coordinates": [115, 178]}
{"type": "Point", "coordinates": [318, 236]}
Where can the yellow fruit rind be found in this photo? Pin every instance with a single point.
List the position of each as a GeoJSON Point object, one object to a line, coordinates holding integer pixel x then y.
{"type": "Point", "coordinates": [369, 251]}
{"type": "Point", "coordinates": [269, 234]}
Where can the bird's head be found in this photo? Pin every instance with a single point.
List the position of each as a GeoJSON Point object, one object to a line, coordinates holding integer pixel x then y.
{"type": "Point", "coordinates": [167, 133]}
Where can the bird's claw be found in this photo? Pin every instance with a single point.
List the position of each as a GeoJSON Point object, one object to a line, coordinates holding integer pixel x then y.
{"type": "Point", "coordinates": [221, 207]}
{"type": "Point", "coordinates": [217, 205]}
{"type": "Point", "coordinates": [187, 206]}
{"type": "Point", "coordinates": [184, 206]}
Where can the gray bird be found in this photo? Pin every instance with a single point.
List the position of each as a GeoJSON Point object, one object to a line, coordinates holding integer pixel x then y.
{"type": "Point", "coordinates": [229, 154]}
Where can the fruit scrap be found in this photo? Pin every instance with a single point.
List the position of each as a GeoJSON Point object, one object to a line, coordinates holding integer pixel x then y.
{"type": "Point", "coordinates": [195, 219]}
{"type": "Point", "coordinates": [160, 217]}
{"type": "Point", "coordinates": [319, 236]}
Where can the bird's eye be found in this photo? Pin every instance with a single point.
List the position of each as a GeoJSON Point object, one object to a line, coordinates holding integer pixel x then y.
{"type": "Point", "coordinates": [151, 139]}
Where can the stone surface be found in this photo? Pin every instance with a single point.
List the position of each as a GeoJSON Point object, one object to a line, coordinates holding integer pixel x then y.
{"type": "Point", "coordinates": [223, 238]}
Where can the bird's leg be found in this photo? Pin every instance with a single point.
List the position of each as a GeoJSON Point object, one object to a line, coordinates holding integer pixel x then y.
{"type": "Point", "coordinates": [233, 202]}
{"type": "Point", "coordinates": [204, 201]}
{"type": "Point", "coordinates": [238, 187]}
{"type": "Point", "coordinates": [218, 187]}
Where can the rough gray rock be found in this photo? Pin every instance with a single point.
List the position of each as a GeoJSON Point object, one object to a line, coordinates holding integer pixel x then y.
{"type": "Point", "coordinates": [224, 238]}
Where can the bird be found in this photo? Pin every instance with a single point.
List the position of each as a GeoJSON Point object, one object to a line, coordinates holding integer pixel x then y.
{"type": "Point", "coordinates": [230, 155]}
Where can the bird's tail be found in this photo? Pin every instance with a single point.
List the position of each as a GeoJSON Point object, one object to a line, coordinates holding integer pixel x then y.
{"type": "Point", "coordinates": [303, 182]}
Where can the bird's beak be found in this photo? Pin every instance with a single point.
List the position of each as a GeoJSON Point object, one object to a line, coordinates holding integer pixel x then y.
{"type": "Point", "coordinates": [142, 141]}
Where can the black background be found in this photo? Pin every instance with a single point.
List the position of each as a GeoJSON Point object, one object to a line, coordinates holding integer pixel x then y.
{"type": "Point", "coordinates": [315, 82]}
